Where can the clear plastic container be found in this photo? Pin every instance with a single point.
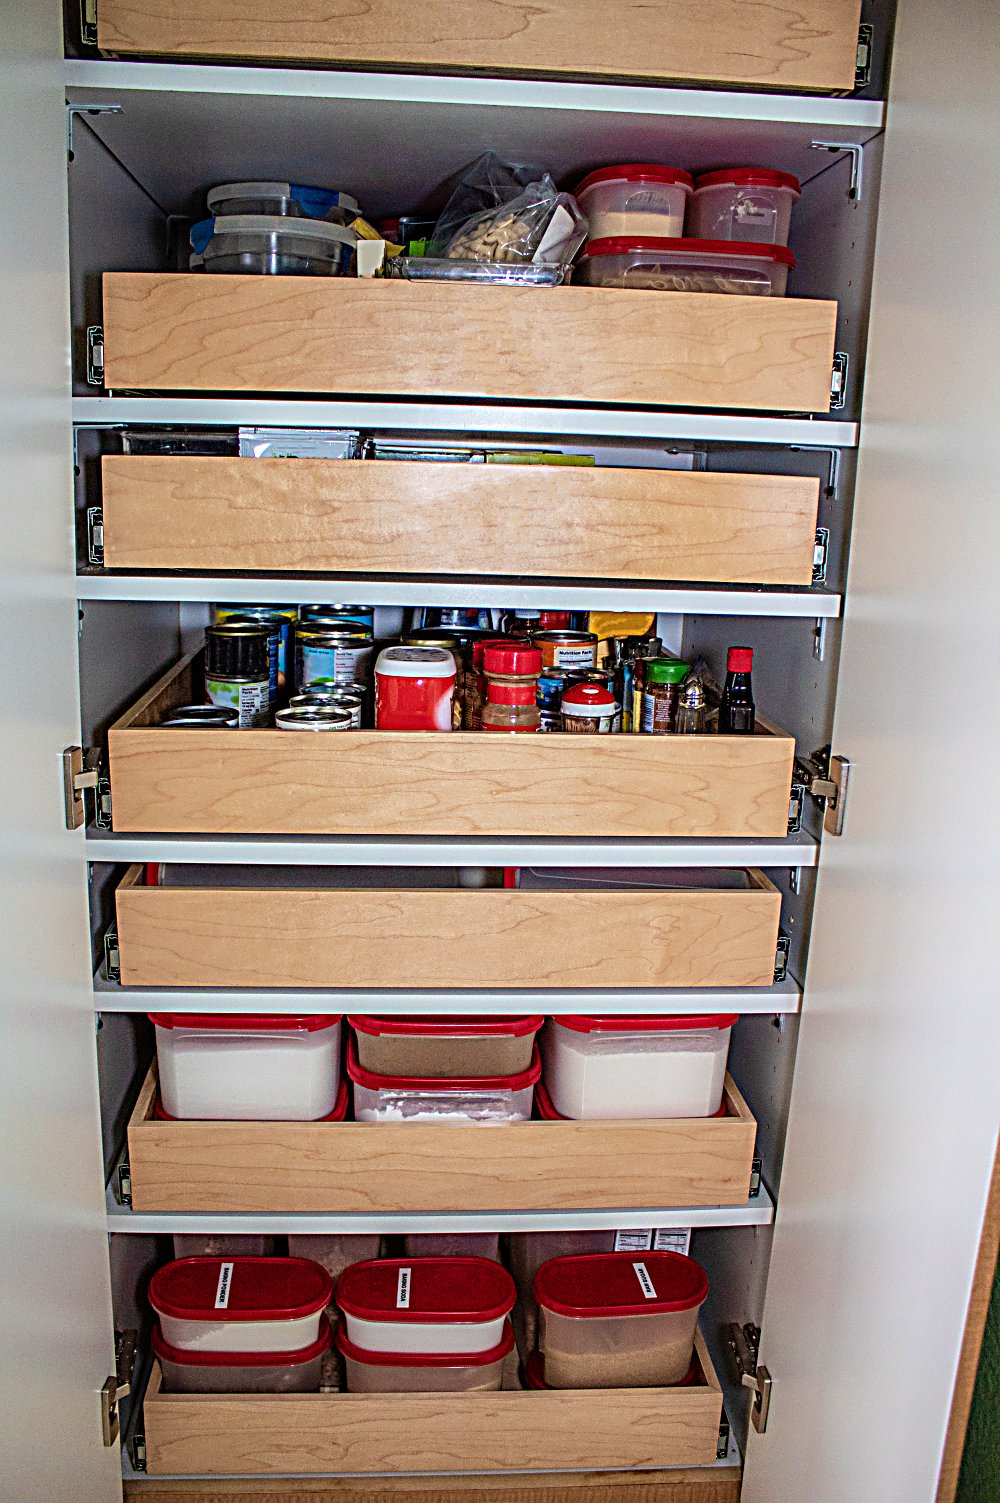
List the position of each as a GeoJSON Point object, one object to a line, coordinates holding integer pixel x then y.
{"type": "Point", "coordinates": [527, 1251]}
{"type": "Point", "coordinates": [426, 1305]}
{"type": "Point", "coordinates": [453, 1245]}
{"type": "Point", "coordinates": [248, 1067]}
{"type": "Point", "coordinates": [288, 200]}
{"type": "Point", "coordinates": [221, 1245]}
{"type": "Point", "coordinates": [242, 1372]}
{"type": "Point", "coordinates": [336, 1252]}
{"type": "Point", "coordinates": [405, 1098]}
{"type": "Point", "coordinates": [546, 1112]}
{"type": "Point", "coordinates": [641, 198]}
{"type": "Point", "coordinates": [659, 265]}
{"type": "Point", "coordinates": [744, 203]}
{"type": "Point", "coordinates": [533, 1375]}
{"type": "Point", "coordinates": [619, 1320]}
{"type": "Point", "coordinates": [258, 244]}
{"type": "Point", "coordinates": [627, 1067]}
{"type": "Point", "coordinates": [445, 1047]}
{"type": "Point", "coordinates": [387, 1372]}
{"type": "Point", "coordinates": [497, 273]}
{"type": "Point", "coordinates": [240, 1304]}
{"type": "Point", "coordinates": [339, 1114]}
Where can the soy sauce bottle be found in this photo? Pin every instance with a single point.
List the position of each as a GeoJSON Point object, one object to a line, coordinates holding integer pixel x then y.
{"type": "Point", "coordinates": [736, 708]}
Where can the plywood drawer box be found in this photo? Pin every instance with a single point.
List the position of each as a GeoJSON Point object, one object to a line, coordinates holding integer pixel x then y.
{"type": "Point", "coordinates": [369, 1167]}
{"type": "Point", "coordinates": [324, 936]}
{"type": "Point", "coordinates": [271, 782]}
{"type": "Point", "coordinates": [511, 1431]}
{"type": "Point", "coordinates": [807, 45]}
{"type": "Point", "coordinates": [319, 516]}
{"type": "Point", "coordinates": [188, 332]}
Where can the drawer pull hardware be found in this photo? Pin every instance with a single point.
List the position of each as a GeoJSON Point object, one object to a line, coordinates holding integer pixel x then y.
{"type": "Point", "coordinates": [744, 1344]}
{"type": "Point", "coordinates": [838, 381]}
{"type": "Point", "coordinates": [80, 771]}
{"type": "Point", "coordinates": [863, 57]}
{"type": "Point", "coordinates": [825, 777]}
{"type": "Point", "coordinates": [117, 1388]}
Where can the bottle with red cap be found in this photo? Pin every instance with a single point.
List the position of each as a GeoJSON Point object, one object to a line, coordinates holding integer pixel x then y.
{"type": "Point", "coordinates": [736, 708]}
{"type": "Point", "coordinates": [511, 671]}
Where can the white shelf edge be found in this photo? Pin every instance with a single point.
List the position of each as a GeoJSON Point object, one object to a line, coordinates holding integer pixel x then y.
{"type": "Point", "coordinates": [795, 851]}
{"type": "Point", "coordinates": [450, 417]}
{"type": "Point", "coordinates": [109, 996]}
{"type": "Point", "coordinates": [451, 89]}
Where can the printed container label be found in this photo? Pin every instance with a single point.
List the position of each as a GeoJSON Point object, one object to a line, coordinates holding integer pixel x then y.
{"type": "Point", "coordinates": [224, 1286]}
{"type": "Point", "coordinates": [674, 1239]}
{"type": "Point", "coordinates": [636, 1239]}
{"type": "Point", "coordinates": [251, 701]}
{"type": "Point", "coordinates": [645, 1282]}
{"type": "Point", "coordinates": [403, 1289]}
{"type": "Point", "coordinates": [332, 665]}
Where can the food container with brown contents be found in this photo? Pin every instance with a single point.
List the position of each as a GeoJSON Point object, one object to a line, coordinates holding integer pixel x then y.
{"type": "Point", "coordinates": [619, 1320]}
{"type": "Point", "coordinates": [452, 1245]}
{"type": "Point", "coordinates": [335, 1251]}
{"type": "Point", "coordinates": [424, 1372]}
{"type": "Point", "coordinates": [747, 269]}
{"type": "Point", "coordinates": [445, 1047]}
{"type": "Point", "coordinates": [527, 1251]}
{"type": "Point", "coordinates": [533, 1375]}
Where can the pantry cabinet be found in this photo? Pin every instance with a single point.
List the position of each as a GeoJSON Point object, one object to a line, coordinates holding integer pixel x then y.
{"type": "Point", "coordinates": [863, 1086]}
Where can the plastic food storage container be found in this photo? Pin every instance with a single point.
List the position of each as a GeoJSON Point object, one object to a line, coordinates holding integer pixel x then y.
{"type": "Point", "coordinates": [534, 1373]}
{"type": "Point", "coordinates": [443, 1305]}
{"type": "Point", "coordinates": [619, 1320]}
{"type": "Point", "coordinates": [242, 1372]}
{"type": "Point", "coordinates": [452, 1245]}
{"type": "Point", "coordinates": [452, 1047]}
{"type": "Point", "coordinates": [412, 1098]}
{"type": "Point", "coordinates": [289, 200]}
{"type": "Point", "coordinates": [743, 203]}
{"type": "Point", "coordinates": [492, 273]}
{"type": "Point", "coordinates": [686, 266]}
{"type": "Point", "coordinates": [622, 1067]}
{"type": "Point", "coordinates": [220, 1245]}
{"type": "Point", "coordinates": [248, 1067]}
{"type": "Point", "coordinates": [338, 1114]}
{"type": "Point", "coordinates": [527, 1251]}
{"type": "Point", "coordinates": [240, 1304]}
{"type": "Point", "coordinates": [336, 1252]}
{"type": "Point", "coordinates": [641, 198]}
{"type": "Point", "coordinates": [436, 1372]}
{"type": "Point", "coordinates": [257, 243]}
{"type": "Point", "coordinates": [546, 1112]}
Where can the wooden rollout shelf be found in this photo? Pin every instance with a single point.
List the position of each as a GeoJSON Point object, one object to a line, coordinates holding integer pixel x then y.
{"type": "Point", "coordinates": [271, 782]}
{"type": "Point", "coordinates": [371, 1167]}
{"type": "Point", "coordinates": [318, 516]}
{"type": "Point", "coordinates": [767, 44]}
{"type": "Point", "coordinates": [176, 331]}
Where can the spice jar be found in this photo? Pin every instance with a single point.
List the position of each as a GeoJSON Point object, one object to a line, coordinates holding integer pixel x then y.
{"type": "Point", "coordinates": [661, 695]}
{"type": "Point", "coordinates": [511, 671]}
{"type": "Point", "coordinates": [414, 689]}
{"type": "Point", "coordinates": [588, 709]}
{"type": "Point", "coordinates": [475, 684]}
{"type": "Point", "coordinates": [691, 709]}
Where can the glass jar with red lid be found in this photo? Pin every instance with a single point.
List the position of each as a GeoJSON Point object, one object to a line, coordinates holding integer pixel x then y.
{"type": "Point", "coordinates": [511, 671]}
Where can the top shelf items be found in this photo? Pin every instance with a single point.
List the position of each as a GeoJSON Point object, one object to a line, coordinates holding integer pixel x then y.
{"type": "Point", "coordinates": [761, 44]}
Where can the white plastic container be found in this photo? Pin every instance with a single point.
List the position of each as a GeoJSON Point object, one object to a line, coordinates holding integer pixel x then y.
{"type": "Point", "coordinates": [659, 265]}
{"type": "Point", "coordinates": [410, 1098]}
{"type": "Point", "coordinates": [629, 1067]}
{"type": "Point", "coordinates": [743, 203]}
{"type": "Point", "coordinates": [242, 1372]}
{"type": "Point", "coordinates": [402, 1372]}
{"type": "Point", "coordinates": [443, 1305]}
{"type": "Point", "coordinates": [248, 1067]}
{"type": "Point", "coordinates": [640, 198]}
{"type": "Point", "coordinates": [240, 1304]}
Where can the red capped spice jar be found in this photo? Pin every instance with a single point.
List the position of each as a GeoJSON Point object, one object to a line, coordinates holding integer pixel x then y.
{"type": "Point", "coordinates": [414, 689]}
{"type": "Point", "coordinates": [475, 688]}
{"type": "Point", "coordinates": [511, 671]}
{"type": "Point", "coordinates": [588, 709]}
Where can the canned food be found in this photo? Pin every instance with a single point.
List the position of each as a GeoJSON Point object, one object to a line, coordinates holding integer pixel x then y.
{"type": "Point", "coordinates": [284, 617]}
{"type": "Point", "coordinates": [267, 623]}
{"type": "Point", "coordinates": [567, 649]}
{"type": "Point", "coordinates": [327, 656]}
{"type": "Point", "coordinates": [237, 670]}
{"type": "Point", "coordinates": [313, 718]}
{"type": "Point", "coordinates": [332, 699]}
{"type": "Point", "coordinates": [213, 717]}
{"type": "Point", "coordinates": [364, 615]}
{"type": "Point", "coordinates": [551, 684]}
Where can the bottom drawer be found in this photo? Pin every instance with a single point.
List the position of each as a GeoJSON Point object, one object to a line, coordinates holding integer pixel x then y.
{"type": "Point", "coordinates": [512, 1431]}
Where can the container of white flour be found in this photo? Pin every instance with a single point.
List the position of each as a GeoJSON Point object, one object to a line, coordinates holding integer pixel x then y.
{"type": "Point", "coordinates": [628, 1067]}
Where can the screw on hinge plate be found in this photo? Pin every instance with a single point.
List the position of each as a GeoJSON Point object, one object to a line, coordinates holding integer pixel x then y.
{"type": "Point", "coordinates": [821, 554]}
{"type": "Point", "coordinates": [826, 778]}
{"type": "Point", "coordinates": [117, 1388]}
{"type": "Point", "coordinates": [863, 57]}
{"type": "Point", "coordinates": [95, 357]}
{"type": "Point", "coordinates": [838, 381]}
{"type": "Point", "coordinates": [744, 1345]}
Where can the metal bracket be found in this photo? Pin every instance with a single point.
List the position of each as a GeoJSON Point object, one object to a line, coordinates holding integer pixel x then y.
{"type": "Point", "coordinates": [117, 1388]}
{"type": "Point", "coordinates": [112, 959]}
{"type": "Point", "coordinates": [95, 536]}
{"type": "Point", "coordinates": [833, 480]}
{"type": "Point", "coordinates": [95, 355]}
{"type": "Point", "coordinates": [122, 1181]}
{"type": "Point", "coordinates": [756, 1172]}
{"type": "Point", "coordinates": [857, 157]}
{"type": "Point", "coordinates": [88, 22]}
{"type": "Point", "coordinates": [80, 771]}
{"type": "Point", "coordinates": [826, 778]}
{"type": "Point", "coordinates": [862, 59]}
{"type": "Point", "coordinates": [781, 954]}
{"type": "Point", "coordinates": [87, 109]}
{"type": "Point", "coordinates": [722, 1449]}
{"type": "Point", "coordinates": [819, 639]}
{"type": "Point", "coordinates": [795, 879]}
{"type": "Point", "coordinates": [137, 1451]}
{"type": "Point", "coordinates": [838, 381]}
{"type": "Point", "coordinates": [796, 807]}
{"type": "Point", "coordinates": [744, 1344]}
{"type": "Point", "coordinates": [821, 553]}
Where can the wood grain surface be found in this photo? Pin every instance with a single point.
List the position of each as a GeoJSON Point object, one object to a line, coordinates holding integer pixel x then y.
{"type": "Point", "coordinates": [178, 331]}
{"type": "Point", "coordinates": [372, 1167]}
{"type": "Point", "coordinates": [317, 515]}
{"type": "Point", "coordinates": [776, 45]}
{"type": "Point", "coordinates": [710, 1484]}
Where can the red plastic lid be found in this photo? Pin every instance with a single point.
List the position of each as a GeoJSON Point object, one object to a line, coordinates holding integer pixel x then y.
{"type": "Point", "coordinates": [534, 1373]}
{"type": "Point", "coordinates": [252, 1289]}
{"type": "Point", "coordinates": [592, 1286]}
{"type": "Point", "coordinates": [245, 1022]}
{"type": "Point", "coordinates": [548, 1113]}
{"type": "Point", "coordinates": [448, 1291]}
{"type": "Point", "coordinates": [425, 1359]}
{"type": "Point", "coordinates": [517, 657]}
{"type": "Point", "coordinates": [338, 1114]}
{"type": "Point", "coordinates": [479, 648]}
{"type": "Point", "coordinates": [460, 1026]}
{"type": "Point", "coordinates": [167, 1353]}
{"type": "Point", "coordinates": [636, 172]}
{"type": "Point", "coordinates": [373, 1082]}
{"type": "Point", "coordinates": [554, 620]}
{"type": "Point", "coordinates": [739, 660]}
{"type": "Point", "coordinates": [748, 177]}
{"type": "Point", "coordinates": [673, 1023]}
{"type": "Point", "coordinates": [623, 245]}
{"type": "Point", "coordinates": [588, 694]}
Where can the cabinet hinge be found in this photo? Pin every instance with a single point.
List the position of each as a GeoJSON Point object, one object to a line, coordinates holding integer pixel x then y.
{"type": "Point", "coordinates": [826, 777]}
{"type": "Point", "coordinates": [80, 771]}
{"type": "Point", "coordinates": [838, 380]}
{"type": "Point", "coordinates": [88, 22]}
{"type": "Point", "coordinates": [121, 1181]}
{"type": "Point", "coordinates": [95, 536]}
{"type": "Point", "coordinates": [117, 1388]}
{"type": "Point", "coordinates": [95, 355]}
{"type": "Point", "coordinates": [756, 1176]}
{"type": "Point", "coordinates": [863, 57]}
{"type": "Point", "coordinates": [722, 1449]}
{"type": "Point", "coordinates": [744, 1344]}
{"type": "Point", "coordinates": [781, 958]}
{"type": "Point", "coordinates": [112, 959]}
{"type": "Point", "coordinates": [821, 551]}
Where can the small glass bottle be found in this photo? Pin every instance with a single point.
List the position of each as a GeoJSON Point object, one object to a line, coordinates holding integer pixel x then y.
{"type": "Point", "coordinates": [691, 709]}
{"type": "Point", "coordinates": [664, 677]}
{"type": "Point", "coordinates": [736, 708]}
{"type": "Point", "coordinates": [511, 687]}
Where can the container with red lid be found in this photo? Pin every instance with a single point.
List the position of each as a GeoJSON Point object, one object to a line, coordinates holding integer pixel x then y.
{"type": "Point", "coordinates": [454, 1047]}
{"type": "Point", "coordinates": [424, 1372]}
{"type": "Point", "coordinates": [459, 1099]}
{"type": "Point", "coordinates": [743, 203]}
{"type": "Point", "coordinates": [248, 1066]}
{"type": "Point", "coordinates": [240, 1304]}
{"type": "Point", "coordinates": [442, 1305]}
{"type": "Point", "coordinates": [534, 1373]}
{"type": "Point", "coordinates": [619, 1320]}
{"type": "Point", "coordinates": [588, 708]}
{"type": "Point", "coordinates": [510, 671]}
{"type": "Point", "coordinates": [618, 1067]}
{"type": "Point", "coordinates": [414, 689]}
{"type": "Point", "coordinates": [339, 1114]}
{"type": "Point", "coordinates": [186, 1371]}
{"type": "Point", "coordinates": [546, 1112]}
{"type": "Point", "coordinates": [335, 1251]}
{"type": "Point", "coordinates": [664, 265]}
{"type": "Point", "coordinates": [639, 198]}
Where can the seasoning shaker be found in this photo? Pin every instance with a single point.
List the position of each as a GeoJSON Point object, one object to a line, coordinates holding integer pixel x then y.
{"type": "Point", "coordinates": [691, 709]}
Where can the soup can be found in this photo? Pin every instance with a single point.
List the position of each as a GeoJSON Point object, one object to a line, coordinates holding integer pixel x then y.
{"type": "Point", "coordinates": [313, 718]}
{"type": "Point", "coordinates": [361, 615]}
{"type": "Point", "coordinates": [566, 649]}
{"type": "Point", "coordinates": [326, 655]}
{"type": "Point", "coordinates": [283, 616]}
{"type": "Point", "coordinates": [210, 717]}
{"type": "Point", "coordinates": [267, 622]}
{"type": "Point", "coordinates": [237, 670]}
{"type": "Point", "coordinates": [333, 699]}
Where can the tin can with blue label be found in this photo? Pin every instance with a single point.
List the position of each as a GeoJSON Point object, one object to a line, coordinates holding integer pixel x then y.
{"type": "Point", "coordinates": [325, 655]}
{"type": "Point", "coordinates": [551, 683]}
{"type": "Point", "coordinates": [363, 615]}
{"type": "Point", "coordinates": [282, 617]}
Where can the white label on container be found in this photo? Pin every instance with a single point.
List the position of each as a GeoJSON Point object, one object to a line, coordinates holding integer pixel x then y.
{"type": "Point", "coordinates": [645, 1282]}
{"type": "Point", "coordinates": [224, 1286]}
{"type": "Point", "coordinates": [677, 1239]}
{"type": "Point", "coordinates": [403, 1290]}
{"type": "Point", "coordinates": [639, 1239]}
